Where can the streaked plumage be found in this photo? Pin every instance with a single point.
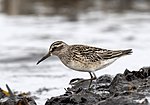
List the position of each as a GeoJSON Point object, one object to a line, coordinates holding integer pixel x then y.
{"type": "Point", "coordinates": [84, 58]}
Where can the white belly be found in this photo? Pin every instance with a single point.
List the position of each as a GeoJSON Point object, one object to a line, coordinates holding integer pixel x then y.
{"type": "Point", "coordinates": [89, 66]}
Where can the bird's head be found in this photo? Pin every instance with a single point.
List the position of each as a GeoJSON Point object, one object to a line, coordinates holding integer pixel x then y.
{"type": "Point", "coordinates": [56, 48]}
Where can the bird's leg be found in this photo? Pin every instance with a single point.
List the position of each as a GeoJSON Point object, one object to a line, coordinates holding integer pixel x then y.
{"type": "Point", "coordinates": [90, 79]}
{"type": "Point", "coordinates": [93, 77]}
{"type": "Point", "coordinates": [80, 81]}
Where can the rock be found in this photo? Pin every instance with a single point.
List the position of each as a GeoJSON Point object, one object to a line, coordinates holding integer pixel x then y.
{"type": "Point", "coordinates": [132, 99]}
{"type": "Point", "coordinates": [129, 88]}
{"type": "Point", "coordinates": [9, 98]}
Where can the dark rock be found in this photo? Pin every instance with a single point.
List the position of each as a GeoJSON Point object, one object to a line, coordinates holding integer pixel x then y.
{"type": "Point", "coordinates": [133, 99]}
{"type": "Point", "coordinates": [9, 98]}
{"type": "Point", "coordinates": [77, 98]}
{"type": "Point", "coordinates": [141, 74]}
{"type": "Point", "coordinates": [130, 88]}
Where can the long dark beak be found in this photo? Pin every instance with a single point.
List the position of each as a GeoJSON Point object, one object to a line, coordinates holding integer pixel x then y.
{"type": "Point", "coordinates": [42, 59]}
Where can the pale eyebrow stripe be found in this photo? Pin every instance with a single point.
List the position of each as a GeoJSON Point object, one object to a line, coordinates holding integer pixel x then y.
{"type": "Point", "coordinates": [57, 43]}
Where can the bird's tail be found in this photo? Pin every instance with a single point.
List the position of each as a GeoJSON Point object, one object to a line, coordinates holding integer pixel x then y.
{"type": "Point", "coordinates": [126, 52]}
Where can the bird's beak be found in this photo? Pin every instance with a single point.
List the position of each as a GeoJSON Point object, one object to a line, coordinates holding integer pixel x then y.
{"type": "Point", "coordinates": [42, 59]}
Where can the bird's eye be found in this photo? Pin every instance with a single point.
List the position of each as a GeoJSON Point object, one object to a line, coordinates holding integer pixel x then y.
{"type": "Point", "coordinates": [53, 49]}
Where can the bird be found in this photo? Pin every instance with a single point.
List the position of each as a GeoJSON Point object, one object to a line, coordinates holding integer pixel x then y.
{"type": "Point", "coordinates": [84, 58]}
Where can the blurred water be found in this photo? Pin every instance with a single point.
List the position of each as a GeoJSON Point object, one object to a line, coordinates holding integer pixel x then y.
{"type": "Point", "coordinates": [25, 39]}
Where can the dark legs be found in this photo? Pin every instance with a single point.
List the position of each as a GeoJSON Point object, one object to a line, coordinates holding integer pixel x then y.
{"type": "Point", "coordinates": [93, 77]}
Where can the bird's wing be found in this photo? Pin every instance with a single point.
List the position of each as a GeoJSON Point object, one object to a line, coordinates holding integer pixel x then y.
{"type": "Point", "coordinates": [88, 53]}
{"type": "Point", "coordinates": [108, 54]}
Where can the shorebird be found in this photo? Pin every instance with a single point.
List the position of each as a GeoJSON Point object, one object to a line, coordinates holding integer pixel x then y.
{"type": "Point", "coordinates": [84, 58]}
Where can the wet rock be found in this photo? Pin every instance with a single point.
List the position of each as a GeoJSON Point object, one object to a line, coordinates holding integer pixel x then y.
{"type": "Point", "coordinates": [132, 99]}
{"type": "Point", "coordinates": [129, 88]}
{"type": "Point", "coordinates": [82, 97]}
{"type": "Point", "coordinates": [9, 98]}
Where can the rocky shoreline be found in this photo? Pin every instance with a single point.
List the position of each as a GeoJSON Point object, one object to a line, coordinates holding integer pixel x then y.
{"type": "Point", "coordinates": [129, 88]}
{"type": "Point", "coordinates": [10, 98]}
